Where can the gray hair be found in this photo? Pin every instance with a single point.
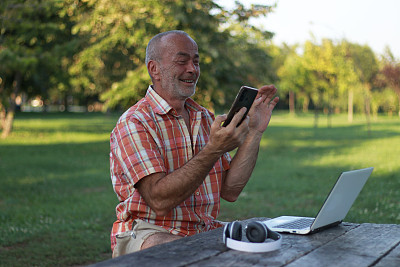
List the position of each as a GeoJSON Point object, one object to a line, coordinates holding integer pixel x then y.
{"type": "Point", "coordinates": [152, 50]}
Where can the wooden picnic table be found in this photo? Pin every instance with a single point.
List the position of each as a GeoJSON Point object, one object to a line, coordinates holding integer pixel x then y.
{"type": "Point", "coordinates": [348, 244]}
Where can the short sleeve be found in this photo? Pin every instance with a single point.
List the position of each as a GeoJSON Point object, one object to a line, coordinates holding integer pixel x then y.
{"type": "Point", "coordinates": [136, 150]}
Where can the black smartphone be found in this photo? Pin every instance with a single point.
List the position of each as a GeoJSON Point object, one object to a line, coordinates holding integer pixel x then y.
{"type": "Point", "coordinates": [244, 98]}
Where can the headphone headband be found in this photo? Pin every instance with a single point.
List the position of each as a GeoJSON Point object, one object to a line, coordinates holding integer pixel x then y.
{"type": "Point", "coordinates": [232, 237]}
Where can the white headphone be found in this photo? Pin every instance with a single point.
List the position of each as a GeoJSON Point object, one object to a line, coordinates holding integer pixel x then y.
{"type": "Point", "coordinates": [256, 232]}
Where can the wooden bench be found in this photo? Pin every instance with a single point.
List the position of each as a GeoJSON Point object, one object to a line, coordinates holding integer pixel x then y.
{"type": "Point", "coordinates": [348, 244]}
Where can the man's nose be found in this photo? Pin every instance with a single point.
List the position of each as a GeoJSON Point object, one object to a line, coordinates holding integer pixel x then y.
{"type": "Point", "coordinates": [191, 67]}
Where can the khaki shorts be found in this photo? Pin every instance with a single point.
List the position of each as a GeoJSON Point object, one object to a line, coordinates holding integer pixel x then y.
{"type": "Point", "coordinates": [131, 241]}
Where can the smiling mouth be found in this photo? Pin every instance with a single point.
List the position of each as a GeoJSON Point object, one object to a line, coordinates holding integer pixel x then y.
{"type": "Point", "coordinates": [188, 81]}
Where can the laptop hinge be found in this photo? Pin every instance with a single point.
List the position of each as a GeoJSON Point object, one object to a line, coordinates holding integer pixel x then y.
{"type": "Point", "coordinates": [326, 226]}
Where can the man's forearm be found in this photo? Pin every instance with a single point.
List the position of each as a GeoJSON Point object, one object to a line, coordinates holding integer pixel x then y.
{"type": "Point", "coordinates": [241, 167]}
{"type": "Point", "coordinates": [245, 159]}
{"type": "Point", "coordinates": [165, 192]}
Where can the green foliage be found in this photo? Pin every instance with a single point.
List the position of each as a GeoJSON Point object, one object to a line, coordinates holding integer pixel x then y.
{"type": "Point", "coordinates": [365, 62]}
{"type": "Point", "coordinates": [385, 100]}
{"type": "Point", "coordinates": [33, 43]}
{"type": "Point", "coordinates": [126, 92]}
{"type": "Point", "coordinates": [113, 36]}
{"type": "Point", "coordinates": [114, 39]}
{"type": "Point", "coordinates": [335, 76]}
{"type": "Point", "coordinates": [389, 75]}
{"type": "Point", "coordinates": [34, 47]}
{"type": "Point", "coordinates": [294, 75]}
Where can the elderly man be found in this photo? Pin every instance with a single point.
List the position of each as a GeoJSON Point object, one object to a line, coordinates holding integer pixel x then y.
{"type": "Point", "coordinates": [169, 156]}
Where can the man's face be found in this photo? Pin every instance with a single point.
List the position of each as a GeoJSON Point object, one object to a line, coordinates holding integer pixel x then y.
{"type": "Point", "coordinates": [179, 66]}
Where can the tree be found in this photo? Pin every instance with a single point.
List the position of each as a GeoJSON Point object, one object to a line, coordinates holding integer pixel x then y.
{"type": "Point", "coordinates": [295, 79]}
{"type": "Point", "coordinates": [366, 67]}
{"type": "Point", "coordinates": [389, 74]}
{"type": "Point", "coordinates": [114, 39]}
{"type": "Point", "coordinates": [318, 59]}
{"type": "Point", "coordinates": [93, 49]}
{"type": "Point", "coordinates": [327, 72]}
{"type": "Point", "coordinates": [32, 38]}
{"type": "Point", "coordinates": [348, 80]}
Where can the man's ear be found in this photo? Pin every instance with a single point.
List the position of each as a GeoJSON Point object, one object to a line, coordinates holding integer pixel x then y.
{"type": "Point", "coordinates": [154, 69]}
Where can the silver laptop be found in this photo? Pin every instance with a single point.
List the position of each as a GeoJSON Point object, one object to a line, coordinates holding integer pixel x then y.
{"type": "Point", "coordinates": [334, 210]}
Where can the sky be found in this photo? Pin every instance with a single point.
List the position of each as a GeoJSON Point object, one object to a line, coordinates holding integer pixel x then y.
{"type": "Point", "coordinates": [372, 22]}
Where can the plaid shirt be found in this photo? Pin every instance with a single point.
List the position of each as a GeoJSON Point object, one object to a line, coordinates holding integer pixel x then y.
{"type": "Point", "coordinates": [150, 137]}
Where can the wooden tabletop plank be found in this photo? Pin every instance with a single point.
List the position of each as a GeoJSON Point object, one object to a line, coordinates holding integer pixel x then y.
{"type": "Point", "coordinates": [293, 247]}
{"type": "Point", "coordinates": [176, 253]}
{"type": "Point", "coordinates": [392, 259]}
{"type": "Point", "coordinates": [363, 246]}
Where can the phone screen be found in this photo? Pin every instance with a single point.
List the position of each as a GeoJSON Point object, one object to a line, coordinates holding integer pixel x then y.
{"type": "Point", "coordinates": [244, 98]}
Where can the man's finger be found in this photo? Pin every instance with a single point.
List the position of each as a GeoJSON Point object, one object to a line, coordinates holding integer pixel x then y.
{"type": "Point", "coordinates": [219, 120]}
{"type": "Point", "coordinates": [267, 88]}
{"type": "Point", "coordinates": [273, 103]}
{"type": "Point", "coordinates": [238, 117]}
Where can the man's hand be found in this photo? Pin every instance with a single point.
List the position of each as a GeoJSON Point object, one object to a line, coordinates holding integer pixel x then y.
{"type": "Point", "coordinates": [261, 110]}
{"type": "Point", "coordinates": [243, 163]}
{"type": "Point", "coordinates": [224, 139]}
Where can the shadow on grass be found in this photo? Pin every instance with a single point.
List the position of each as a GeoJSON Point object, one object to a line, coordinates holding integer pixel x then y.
{"type": "Point", "coordinates": [297, 167]}
{"type": "Point", "coordinates": [56, 203]}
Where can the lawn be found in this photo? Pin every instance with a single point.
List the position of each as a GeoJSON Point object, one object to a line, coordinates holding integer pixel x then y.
{"type": "Point", "coordinates": [298, 165]}
{"type": "Point", "coordinates": [57, 204]}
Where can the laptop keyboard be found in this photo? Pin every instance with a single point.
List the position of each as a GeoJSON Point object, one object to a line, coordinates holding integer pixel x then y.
{"type": "Point", "coordinates": [297, 224]}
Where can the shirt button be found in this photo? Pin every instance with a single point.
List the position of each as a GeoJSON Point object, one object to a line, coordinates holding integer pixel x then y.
{"type": "Point", "coordinates": [197, 193]}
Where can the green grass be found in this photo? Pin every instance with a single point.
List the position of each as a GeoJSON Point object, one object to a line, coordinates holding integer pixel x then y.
{"type": "Point", "coordinates": [298, 165]}
{"type": "Point", "coordinates": [56, 200]}
{"type": "Point", "coordinates": [57, 203]}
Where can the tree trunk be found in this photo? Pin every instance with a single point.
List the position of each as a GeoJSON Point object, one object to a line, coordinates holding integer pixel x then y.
{"type": "Point", "coordinates": [2, 108]}
{"type": "Point", "coordinates": [9, 118]}
{"type": "Point", "coordinates": [398, 95]}
{"type": "Point", "coordinates": [306, 104]}
{"type": "Point", "coordinates": [368, 111]}
{"type": "Point", "coordinates": [8, 123]}
{"type": "Point", "coordinates": [2, 116]}
{"type": "Point", "coordinates": [350, 106]}
{"type": "Point", "coordinates": [317, 106]}
{"type": "Point", "coordinates": [291, 103]}
{"type": "Point", "coordinates": [329, 116]}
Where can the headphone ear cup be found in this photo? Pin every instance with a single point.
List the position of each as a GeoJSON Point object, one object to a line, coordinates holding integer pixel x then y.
{"type": "Point", "coordinates": [226, 234]}
{"type": "Point", "coordinates": [256, 232]}
{"type": "Point", "coordinates": [236, 231]}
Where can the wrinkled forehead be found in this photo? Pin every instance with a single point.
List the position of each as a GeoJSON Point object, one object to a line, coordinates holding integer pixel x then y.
{"type": "Point", "coordinates": [175, 44]}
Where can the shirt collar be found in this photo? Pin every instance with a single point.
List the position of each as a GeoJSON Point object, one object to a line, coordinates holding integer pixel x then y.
{"type": "Point", "coordinates": [160, 106]}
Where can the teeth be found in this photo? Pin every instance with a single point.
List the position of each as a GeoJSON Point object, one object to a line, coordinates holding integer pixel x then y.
{"type": "Point", "coordinates": [188, 81]}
